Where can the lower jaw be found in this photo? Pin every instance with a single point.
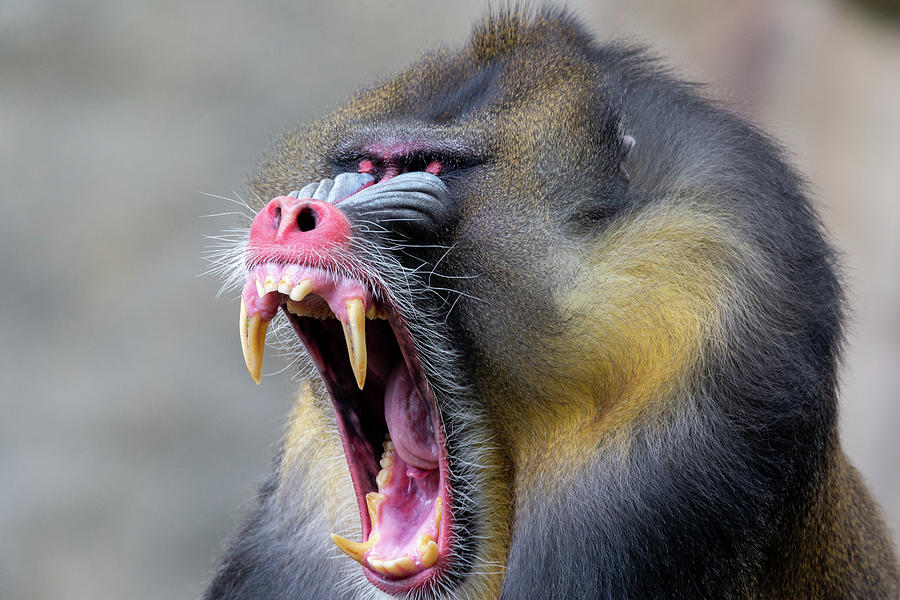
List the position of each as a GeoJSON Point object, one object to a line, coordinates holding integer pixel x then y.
{"type": "Point", "coordinates": [396, 587]}
{"type": "Point", "coordinates": [350, 424]}
{"type": "Point", "coordinates": [407, 521]}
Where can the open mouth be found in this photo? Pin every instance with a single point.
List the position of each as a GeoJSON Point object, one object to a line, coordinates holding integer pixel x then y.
{"type": "Point", "coordinates": [386, 412]}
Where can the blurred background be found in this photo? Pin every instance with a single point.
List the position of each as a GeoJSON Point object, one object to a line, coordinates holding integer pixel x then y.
{"type": "Point", "coordinates": [132, 438]}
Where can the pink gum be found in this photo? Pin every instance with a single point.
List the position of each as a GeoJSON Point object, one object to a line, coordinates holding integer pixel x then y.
{"type": "Point", "coordinates": [335, 291]}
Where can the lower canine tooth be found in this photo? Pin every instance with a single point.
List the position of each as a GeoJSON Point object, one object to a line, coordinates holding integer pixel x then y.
{"type": "Point", "coordinates": [355, 336]}
{"type": "Point", "coordinates": [354, 550]}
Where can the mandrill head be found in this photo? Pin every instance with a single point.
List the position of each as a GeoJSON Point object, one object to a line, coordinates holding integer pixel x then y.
{"type": "Point", "coordinates": [567, 329]}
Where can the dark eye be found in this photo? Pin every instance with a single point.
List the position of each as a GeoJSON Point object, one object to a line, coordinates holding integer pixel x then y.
{"type": "Point", "coordinates": [390, 168]}
{"type": "Point", "coordinates": [366, 166]}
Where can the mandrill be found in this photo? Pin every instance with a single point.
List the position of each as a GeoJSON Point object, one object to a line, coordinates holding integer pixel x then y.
{"type": "Point", "coordinates": [567, 330]}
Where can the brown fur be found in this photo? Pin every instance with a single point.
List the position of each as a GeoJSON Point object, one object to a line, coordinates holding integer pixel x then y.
{"type": "Point", "coordinates": [657, 383]}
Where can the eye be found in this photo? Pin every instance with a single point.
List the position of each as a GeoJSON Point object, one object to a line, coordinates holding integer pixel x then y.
{"type": "Point", "coordinates": [387, 169]}
{"type": "Point", "coordinates": [366, 166]}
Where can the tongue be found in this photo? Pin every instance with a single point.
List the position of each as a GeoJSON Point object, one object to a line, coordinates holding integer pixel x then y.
{"type": "Point", "coordinates": [408, 421]}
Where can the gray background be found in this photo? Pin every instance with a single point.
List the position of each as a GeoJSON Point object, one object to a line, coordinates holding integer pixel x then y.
{"type": "Point", "coordinates": [132, 438]}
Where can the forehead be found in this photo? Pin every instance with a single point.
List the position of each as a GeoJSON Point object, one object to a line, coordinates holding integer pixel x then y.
{"type": "Point", "coordinates": [465, 87]}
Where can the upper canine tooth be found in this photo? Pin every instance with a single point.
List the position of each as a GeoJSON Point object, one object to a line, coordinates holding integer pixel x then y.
{"type": "Point", "coordinates": [245, 333]}
{"type": "Point", "coordinates": [354, 550]}
{"type": "Point", "coordinates": [255, 342]}
{"type": "Point", "coordinates": [301, 290]}
{"type": "Point", "coordinates": [355, 336]}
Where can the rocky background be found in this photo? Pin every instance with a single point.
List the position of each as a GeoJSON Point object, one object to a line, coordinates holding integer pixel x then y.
{"type": "Point", "coordinates": [132, 438]}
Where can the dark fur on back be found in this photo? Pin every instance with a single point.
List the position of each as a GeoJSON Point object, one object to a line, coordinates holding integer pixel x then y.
{"type": "Point", "coordinates": [728, 480]}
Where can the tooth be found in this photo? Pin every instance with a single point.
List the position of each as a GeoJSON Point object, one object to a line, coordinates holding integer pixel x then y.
{"type": "Point", "coordinates": [284, 286]}
{"type": "Point", "coordinates": [260, 291]}
{"type": "Point", "coordinates": [270, 285]}
{"type": "Point", "coordinates": [299, 291]}
{"type": "Point", "coordinates": [407, 564]}
{"type": "Point", "coordinates": [354, 550]}
{"type": "Point", "coordinates": [438, 508]}
{"type": "Point", "coordinates": [382, 478]}
{"type": "Point", "coordinates": [355, 335]}
{"type": "Point", "coordinates": [256, 342]}
{"type": "Point", "coordinates": [376, 564]}
{"type": "Point", "coordinates": [428, 550]}
{"type": "Point", "coordinates": [373, 499]}
{"type": "Point", "coordinates": [400, 566]}
{"type": "Point", "coordinates": [242, 329]}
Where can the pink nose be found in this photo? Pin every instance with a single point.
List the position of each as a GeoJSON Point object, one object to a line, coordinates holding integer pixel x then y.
{"type": "Point", "coordinates": [297, 226]}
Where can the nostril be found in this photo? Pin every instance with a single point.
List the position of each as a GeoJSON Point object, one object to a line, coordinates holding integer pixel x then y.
{"type": "Point", "coordinates": [306, 219]}
{"type": "Point", "coordinates": [277, 217]}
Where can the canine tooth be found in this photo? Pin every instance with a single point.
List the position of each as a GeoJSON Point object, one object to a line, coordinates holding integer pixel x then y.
{"type": "Point", "coordinates": [354, 550]}
{"type": "Point", "coordinates": [300, 291]}
{"type": "Point", "coordinates": [355, 336]}
{"type": "Point", "coordinates": [256, 342]}
{"type": "Point", "coordinates": [373, 499]}
{"type": "Point", "coordinates": [428, 550]}
{"type": "Point", "coordinates": [382, 478]}
{"type": "Point", "coordinates": [242, 329]}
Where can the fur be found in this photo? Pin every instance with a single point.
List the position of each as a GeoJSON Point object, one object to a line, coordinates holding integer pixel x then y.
{"type": "Point", "coordinates": [634, 353]}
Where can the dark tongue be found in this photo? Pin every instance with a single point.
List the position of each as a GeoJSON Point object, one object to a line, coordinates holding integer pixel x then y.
{"type": "Point", "coordinates": [408, 420]}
